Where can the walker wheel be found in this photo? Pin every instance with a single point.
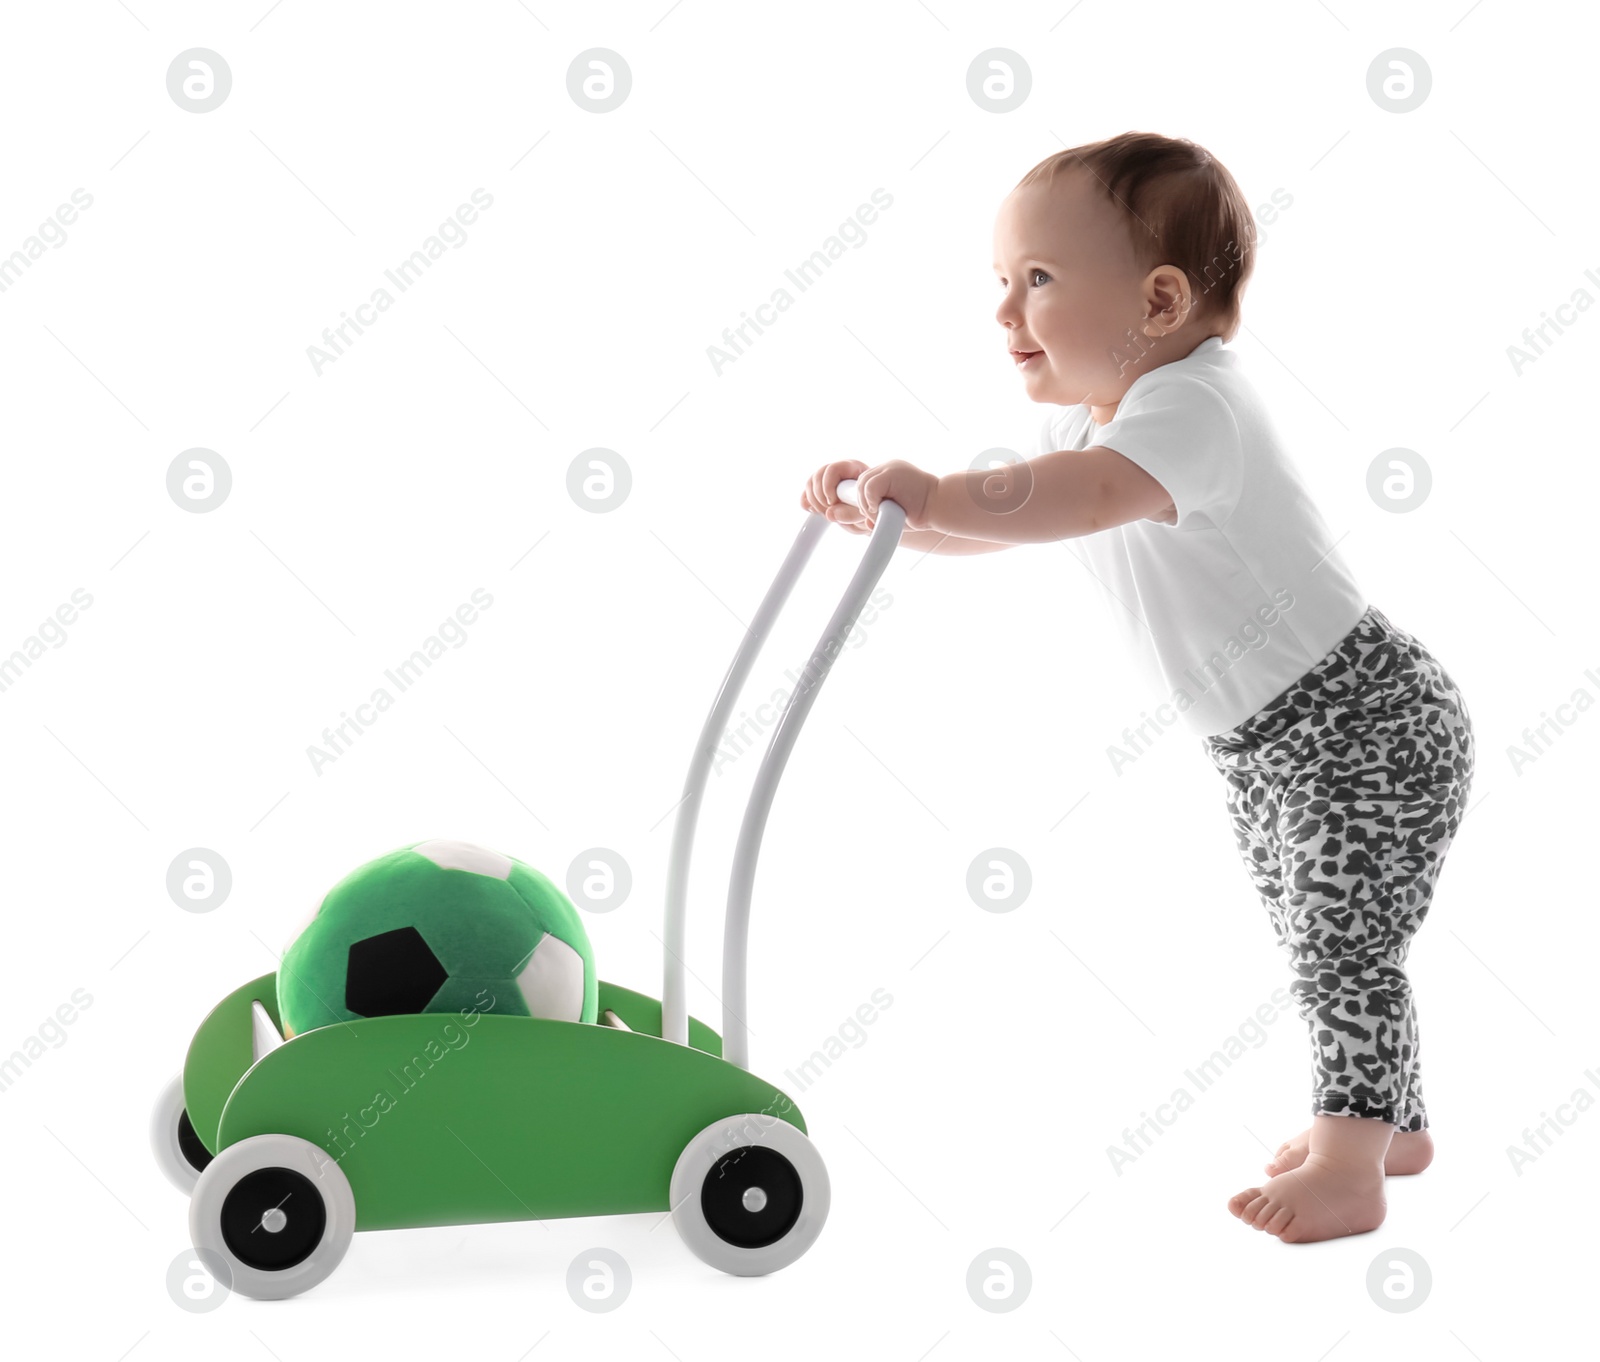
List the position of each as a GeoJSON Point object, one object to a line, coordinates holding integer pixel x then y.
{"type": "Point", "coordinates": [277, 1211]}
{"type": "Point", "coordinates": [179, 1153]}
{"type": "Point", "coordinates": [749, 1194]}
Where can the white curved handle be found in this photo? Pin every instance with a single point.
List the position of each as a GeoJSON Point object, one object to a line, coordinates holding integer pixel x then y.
{"type": "Point", "coordinates": [741, 881]}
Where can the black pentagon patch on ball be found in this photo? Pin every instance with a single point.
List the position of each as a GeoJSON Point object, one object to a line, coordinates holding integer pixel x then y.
{"type": "Point", "coordinates": [393, 972]}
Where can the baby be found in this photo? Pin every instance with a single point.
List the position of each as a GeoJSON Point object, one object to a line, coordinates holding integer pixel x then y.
{"type": "Point", "coordinates": [1346, 748]}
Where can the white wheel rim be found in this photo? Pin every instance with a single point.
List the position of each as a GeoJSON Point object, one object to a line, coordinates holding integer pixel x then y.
{"type": "Point", "coordinates": [164, 1138]}
{"type": "Point", "coordinates": [224, 1173]}
{"type": "Point", "coordinates": [695, 1163]}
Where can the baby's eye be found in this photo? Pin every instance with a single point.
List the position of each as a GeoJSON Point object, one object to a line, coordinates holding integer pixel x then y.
{"type": "Point", "coordinates": [1033, 273]}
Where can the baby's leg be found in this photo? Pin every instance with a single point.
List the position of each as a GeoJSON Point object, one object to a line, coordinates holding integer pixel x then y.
{"type": "Point", "coordinates": [1364, 822]}
{"type": "Point", "coordinates": [1364, 830]}
{"type": "Point", "coordinates": [1255, 795]}
{"type": "Point", "coordinates": [1354, 898]}
{"type": "Point", "coordinates": [1358, 880]}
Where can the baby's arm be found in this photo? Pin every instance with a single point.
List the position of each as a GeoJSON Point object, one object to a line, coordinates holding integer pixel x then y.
{"type": "Point", "coordinates": [934, 541]}
{"type": "Point", "coordinates": [1061, 495]}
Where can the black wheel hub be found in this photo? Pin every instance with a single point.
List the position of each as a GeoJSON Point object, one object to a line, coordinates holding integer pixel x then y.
{"type": "Point", "coordinates": [273, 1218]}
{"type": "Point", "coordinates": [197, 1155]}
{"type": "Point", "coordinates": [751, 1197]}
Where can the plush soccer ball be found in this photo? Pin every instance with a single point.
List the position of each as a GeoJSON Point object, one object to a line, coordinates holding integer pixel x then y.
{"type": "Point", "coordinates": [439, 926]}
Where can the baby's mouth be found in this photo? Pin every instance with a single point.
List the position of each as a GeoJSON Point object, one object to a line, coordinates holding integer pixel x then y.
{"type": "Point", "coordinates": [1025, 357]}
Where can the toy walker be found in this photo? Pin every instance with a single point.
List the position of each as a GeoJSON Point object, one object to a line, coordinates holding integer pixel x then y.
{"type": "Point", "coordinates": [287, 1147]}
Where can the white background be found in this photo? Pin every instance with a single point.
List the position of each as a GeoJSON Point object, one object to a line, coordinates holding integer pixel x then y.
{"type": "Point", "coordinates": [975, 711]}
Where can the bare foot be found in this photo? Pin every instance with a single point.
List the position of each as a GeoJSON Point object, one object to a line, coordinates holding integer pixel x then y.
{"type": "Point", "coordinates": [1409, 1152]}
{"type": "Point", "coordinates": [1323, 1198]}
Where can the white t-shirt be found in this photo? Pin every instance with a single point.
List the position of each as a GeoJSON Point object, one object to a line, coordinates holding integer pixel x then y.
{"type": "Point", "coordinates": [1245, 593]}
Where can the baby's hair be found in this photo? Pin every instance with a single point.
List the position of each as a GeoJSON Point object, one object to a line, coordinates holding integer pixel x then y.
{"type": "Point", "coordinates": [1182, 208]}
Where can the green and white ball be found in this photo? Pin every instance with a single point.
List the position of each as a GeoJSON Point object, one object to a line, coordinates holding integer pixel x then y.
{"type": "Point", "coordinates": [439, 926]}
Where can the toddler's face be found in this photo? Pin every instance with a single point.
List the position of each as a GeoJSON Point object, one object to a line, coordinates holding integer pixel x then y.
{"type": "Point", "coordinates": [1074, 292]}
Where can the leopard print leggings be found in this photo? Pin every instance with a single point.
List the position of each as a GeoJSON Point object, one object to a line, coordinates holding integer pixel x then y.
{"type": "Point", "coordinates": [1344, 793]}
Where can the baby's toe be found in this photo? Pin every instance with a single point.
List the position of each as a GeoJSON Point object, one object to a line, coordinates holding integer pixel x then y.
{"type": "Point", "coordinates": [1278, 1221]}
{"type": "Point", "coordinates": [1256, 1212]}
{"type": "Point", "coordinates": [1238, 1203]}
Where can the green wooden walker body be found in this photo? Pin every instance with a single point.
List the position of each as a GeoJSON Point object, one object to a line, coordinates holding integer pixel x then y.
{"type": "Point", "coordinates": [447, 1119]}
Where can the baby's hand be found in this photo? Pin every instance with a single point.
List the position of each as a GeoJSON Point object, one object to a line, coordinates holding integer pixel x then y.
{"type": "Point", "coordinates": [821, 494]}
{"type": "Point", "coordinates": [908, 486]}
